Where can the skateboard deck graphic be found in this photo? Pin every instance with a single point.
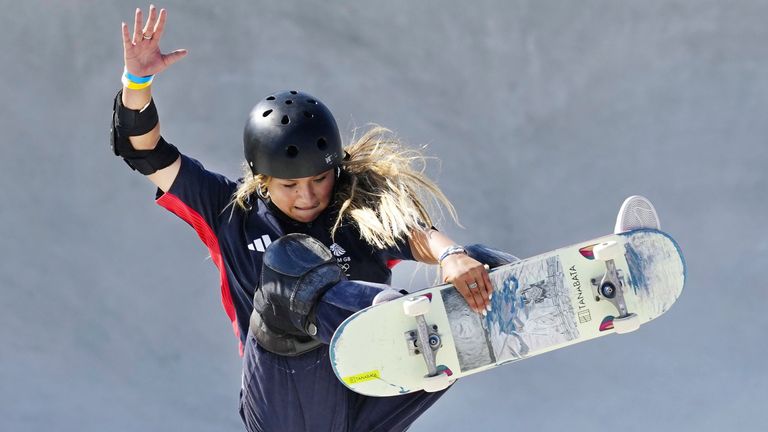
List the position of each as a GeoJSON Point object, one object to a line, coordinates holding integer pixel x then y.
{"type": "Point", "coordinates": [539, 304]}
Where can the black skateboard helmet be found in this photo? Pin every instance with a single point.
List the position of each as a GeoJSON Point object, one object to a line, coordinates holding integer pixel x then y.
{"type": "Point", "coordinates": [291, 134]}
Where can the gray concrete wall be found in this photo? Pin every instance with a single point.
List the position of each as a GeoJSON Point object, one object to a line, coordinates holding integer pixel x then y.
{"type": "Point", "coordinates": [545, 114]}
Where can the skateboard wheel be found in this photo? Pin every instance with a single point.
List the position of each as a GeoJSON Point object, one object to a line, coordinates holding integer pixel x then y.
{"type": "Point", "coordinates": [437, 383]}
{"type": "Point", "coordinates": [607, 251]}
{"type": "Point", "coordinates": [416, 306]}
{"type": "Point", "coordinates": [626, 324]}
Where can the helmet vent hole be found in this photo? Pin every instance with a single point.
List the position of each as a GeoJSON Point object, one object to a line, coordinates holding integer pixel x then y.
{"type": "Point", "coordinates": [292, 151]}
{"type": "Point", "coordinates": [293, 92]}
{"type": "Point", "coordinates": [285, 120]}
{"type": "Point", "coordinates": [312, 101]}
{"type": "Point", "coordinates": [308, 114]}
{"type": "Point", "coordinates": [322, 144]}
{"type": "Point", "coordinates": [271, 98]}
{"type": "Point", "coordinates": [266, 113]}
{"type": "Point", "coordinates": [288, 102]}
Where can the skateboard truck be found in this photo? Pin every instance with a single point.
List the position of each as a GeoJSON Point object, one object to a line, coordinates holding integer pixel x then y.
{"type": "Point", "coordinates": [415, 344]}
{"type": "Point", "coordinates": [611, 286]}
{"type": "Point", "coordinates": [425, 340]}
{"type": "Point", "coordinates": [422, 338]}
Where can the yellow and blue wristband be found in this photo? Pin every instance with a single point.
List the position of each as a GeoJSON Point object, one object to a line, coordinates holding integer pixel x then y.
{"type": "Point", "coordinates": [134, 82]}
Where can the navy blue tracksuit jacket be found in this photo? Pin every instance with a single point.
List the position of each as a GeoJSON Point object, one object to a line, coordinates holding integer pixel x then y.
{"type": "Point", "coordinates": [289, 393]}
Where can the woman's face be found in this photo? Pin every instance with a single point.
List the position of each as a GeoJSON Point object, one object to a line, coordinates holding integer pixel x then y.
{"type": "Point", "coordinates": [302, 199]}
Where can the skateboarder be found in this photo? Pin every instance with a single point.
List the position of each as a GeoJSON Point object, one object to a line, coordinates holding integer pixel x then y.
{"type": "Point", "coordinates": [305, 239]}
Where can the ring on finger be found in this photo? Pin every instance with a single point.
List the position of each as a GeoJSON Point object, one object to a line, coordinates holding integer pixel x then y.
{"type": "Point", "coordinates": [146, 37]}
{"type": "Point", "coordinates": [473, 285]}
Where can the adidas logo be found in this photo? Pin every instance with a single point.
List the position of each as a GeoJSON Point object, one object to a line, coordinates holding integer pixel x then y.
{"type": "Point", "coordinates": [337, 250]}
{"type": "Point", "coordinates": [260, 244]}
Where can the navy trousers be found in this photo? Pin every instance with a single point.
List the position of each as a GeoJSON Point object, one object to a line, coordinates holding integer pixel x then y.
{"type": "Point", "coordinates": [303, 394]}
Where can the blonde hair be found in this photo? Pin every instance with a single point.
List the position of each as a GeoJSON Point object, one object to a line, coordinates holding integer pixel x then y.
{"type": "Point", "coordinates": [383, 189]}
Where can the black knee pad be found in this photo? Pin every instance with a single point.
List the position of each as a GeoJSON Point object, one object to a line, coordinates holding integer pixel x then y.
{"type": "Point", "coordinates": [297, 270]}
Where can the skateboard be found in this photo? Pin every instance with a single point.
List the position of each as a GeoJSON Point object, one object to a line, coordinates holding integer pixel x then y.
{"type": "Point", "coordinates": [428, 339]}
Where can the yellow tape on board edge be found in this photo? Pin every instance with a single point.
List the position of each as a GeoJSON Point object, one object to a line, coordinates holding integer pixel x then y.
{"type": "Point", "coordinates": [363, 377]}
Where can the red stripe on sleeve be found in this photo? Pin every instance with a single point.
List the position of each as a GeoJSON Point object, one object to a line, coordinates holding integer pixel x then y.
{"type": "Point", "coordinates": [173, 204]}
{"type": "Point", "coordinates": [392, 263]}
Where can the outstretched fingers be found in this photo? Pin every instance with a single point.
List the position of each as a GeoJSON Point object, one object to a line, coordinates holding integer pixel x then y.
{"type": "Point", "coordinates": [149, 27]}
{"type": "Point", "coordinates": [160, 26]}
{"type": "Point", "coordinates": [126, 37]}
{"type": "Point", "coordinates": [174, 56]}
{"type": "Point", "coordinates": [137, 20]}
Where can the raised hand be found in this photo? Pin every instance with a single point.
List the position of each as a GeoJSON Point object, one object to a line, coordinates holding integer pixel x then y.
{"type": "Point", "coordinates": [142, 52]}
